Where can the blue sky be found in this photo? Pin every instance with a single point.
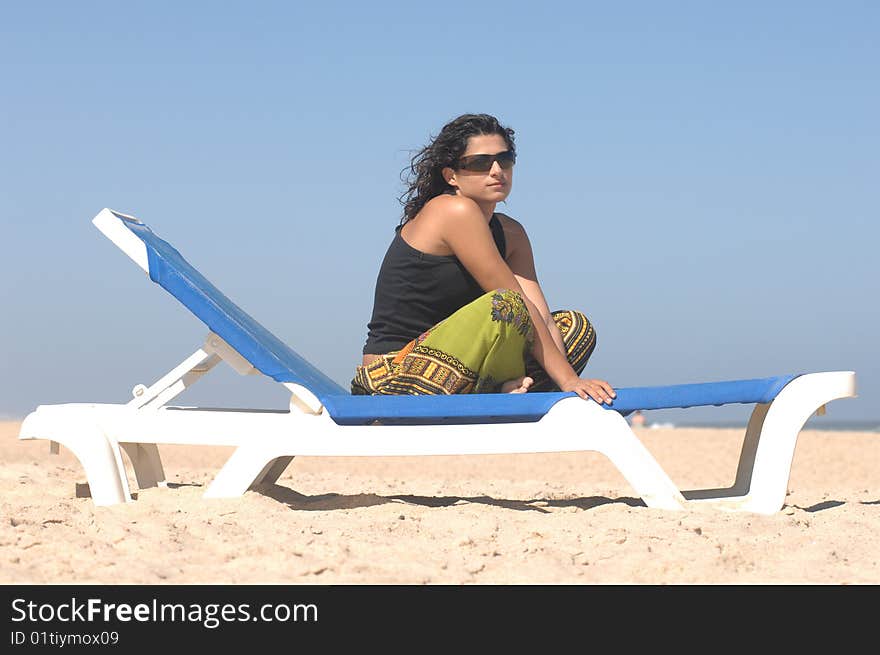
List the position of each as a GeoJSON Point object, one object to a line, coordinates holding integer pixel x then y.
{"type": "Point", "coordinates": [700, 179]}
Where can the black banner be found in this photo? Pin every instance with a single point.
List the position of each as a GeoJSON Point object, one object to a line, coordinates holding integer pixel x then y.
{"type": "Point", "coordinates": [131, 617]}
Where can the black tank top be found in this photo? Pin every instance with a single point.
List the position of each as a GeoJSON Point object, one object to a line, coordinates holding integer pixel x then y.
{"type": "Point", "coordinates": [415, 290]}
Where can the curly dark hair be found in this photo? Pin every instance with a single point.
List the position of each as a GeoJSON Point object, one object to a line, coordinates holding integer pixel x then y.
{"type": "Point", "coordinates": [424, 178]}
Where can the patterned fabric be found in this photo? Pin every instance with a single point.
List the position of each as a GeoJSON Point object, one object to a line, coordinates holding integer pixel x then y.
{"type": "Point", "coordinates": [475, 350]}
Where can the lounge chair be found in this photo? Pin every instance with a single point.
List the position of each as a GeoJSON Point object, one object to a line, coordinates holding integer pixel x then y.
{"type": "Point", "coordinates": [324, 419]}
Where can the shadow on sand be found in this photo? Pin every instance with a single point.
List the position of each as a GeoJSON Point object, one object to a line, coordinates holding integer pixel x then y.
{"type": "Point", "coordinates": [325, 502]}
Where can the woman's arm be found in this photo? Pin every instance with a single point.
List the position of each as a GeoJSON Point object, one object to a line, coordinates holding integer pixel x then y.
{"type": "Point", "coordinates": [464, 229]}
{"type": "Point", "coordinates": [522, 265]}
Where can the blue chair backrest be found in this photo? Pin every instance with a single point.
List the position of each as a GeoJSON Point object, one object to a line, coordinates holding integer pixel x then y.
{"type": "Point", "coordinates": [264, 350]}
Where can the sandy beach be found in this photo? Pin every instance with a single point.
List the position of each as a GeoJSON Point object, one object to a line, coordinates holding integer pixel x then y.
{"type": "Point", "coordinates": [566, 518]}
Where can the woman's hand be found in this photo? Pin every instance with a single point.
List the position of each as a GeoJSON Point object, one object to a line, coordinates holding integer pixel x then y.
{"type": "Point", "coordinates": [598, 390]}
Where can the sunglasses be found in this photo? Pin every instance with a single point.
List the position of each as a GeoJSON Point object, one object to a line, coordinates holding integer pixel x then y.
{"type": "Point", "coordinates": [483, 163]}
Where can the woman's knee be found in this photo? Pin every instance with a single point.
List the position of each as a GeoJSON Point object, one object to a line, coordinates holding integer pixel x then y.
{"type": "Point", "coordinates": [500, 291]}
{"type": "Point", "coordinates": [578, 334]}
{"type": "Point", "coordinates": [580, 319]}
{"type": "Point", "coordinates": [571, 319]}
{"type": "Point", "coordinates": [510, 307]}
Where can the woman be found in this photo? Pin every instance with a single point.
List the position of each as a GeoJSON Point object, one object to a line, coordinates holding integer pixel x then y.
{"type": "Point", "coordinates": [458, 307]}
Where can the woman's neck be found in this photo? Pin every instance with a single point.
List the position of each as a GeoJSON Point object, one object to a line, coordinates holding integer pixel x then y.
{"type": "Point", "coordinates": [488, 210]}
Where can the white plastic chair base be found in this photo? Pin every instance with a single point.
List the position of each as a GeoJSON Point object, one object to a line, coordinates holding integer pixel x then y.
{"type": "Point", "coordinates": [266, 442]}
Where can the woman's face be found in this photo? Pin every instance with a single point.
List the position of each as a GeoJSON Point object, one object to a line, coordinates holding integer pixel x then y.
{"type": "Point", "coordinates": [491, 186]}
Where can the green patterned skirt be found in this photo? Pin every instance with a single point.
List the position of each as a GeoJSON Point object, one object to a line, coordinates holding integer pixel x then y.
{"type": "Point", "coordinates": [475, 350]}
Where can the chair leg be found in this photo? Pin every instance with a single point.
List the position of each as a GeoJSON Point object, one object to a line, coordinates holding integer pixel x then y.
{"type": "Point", "coordinates": [771, 437]}
{"type": "Point", "coordinates": [98, 455]}
{"type": "Point", "coordinates": [732, 497]}
{"type": "Point", "coordinates": [642, 471]}
{"type": "Point", "coordinates": [607, 432]}
{"type": "Point", "coordinates": [147, 464]}
{"type": "Point", "coordinates": [243, 469]}
{"type": "Point", "coordinates": [273, 470]}
{"type": "Point", "coordinates": [746, 465]}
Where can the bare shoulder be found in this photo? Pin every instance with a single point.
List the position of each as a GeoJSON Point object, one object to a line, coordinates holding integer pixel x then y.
{"type": "Point", "coordinates": [449, 206]}
{"type": "Point", "coordinates": [449, 214]}
{"type": "Point", "coordinates": [440, 221]}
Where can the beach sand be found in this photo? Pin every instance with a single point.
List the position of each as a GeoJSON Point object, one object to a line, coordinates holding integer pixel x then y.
{"type": "Point", "coordinates": [566, 518]}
